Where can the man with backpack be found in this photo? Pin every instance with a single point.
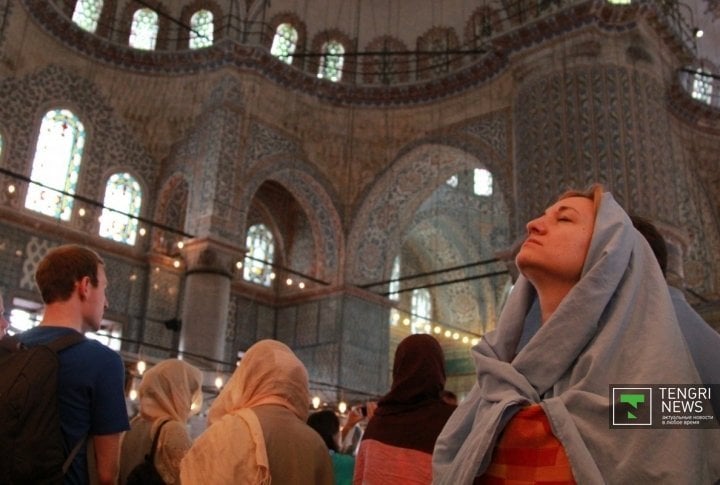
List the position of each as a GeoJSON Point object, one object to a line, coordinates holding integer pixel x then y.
{"type": "Point", "coordinates": [91, 400]}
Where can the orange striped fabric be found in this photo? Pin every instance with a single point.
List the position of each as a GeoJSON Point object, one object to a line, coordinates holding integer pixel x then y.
{"type": "Point", "coordinates": [528, 453]}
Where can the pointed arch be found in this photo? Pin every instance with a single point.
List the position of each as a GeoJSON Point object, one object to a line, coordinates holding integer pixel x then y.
{"type": "Point", "coordinates": [316, 202]}
{"type": "Point", "coordinates": [388, 207]}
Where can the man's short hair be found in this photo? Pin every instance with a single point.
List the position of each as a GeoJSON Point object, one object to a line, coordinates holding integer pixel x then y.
{"type": "Point", "coordinates": [654, 238]}
{"type": "Point", "coordinates": [64, 266]}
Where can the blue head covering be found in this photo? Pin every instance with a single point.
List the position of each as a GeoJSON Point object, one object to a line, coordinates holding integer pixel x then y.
{"type": "Point", "coordinates": [616, 326]}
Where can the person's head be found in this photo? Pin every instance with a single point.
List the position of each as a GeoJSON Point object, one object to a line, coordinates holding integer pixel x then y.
{"type": "Point", "coordinates": [418, 369]}
{"type": "Point", "coordinates": [171, 389]}
{"type": "Point", "coordinates": [4, 324]}
{"type": "Point", "coordinates": [558, 241]}
{"type": "Point", "coordinates": [654, 238]}
{"type": "Point", "coordinates": [269, 373]}
{"type": "Point", "coordinates": [449, 397]}
{"type": "Point", "coordinates": [74, 270]}
{"type": "Point", "coordinates": [327, 424]}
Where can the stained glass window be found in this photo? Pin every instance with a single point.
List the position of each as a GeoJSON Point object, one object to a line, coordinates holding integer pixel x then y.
{"type": "Point", "coordinates": [440, 60]}
{"type": "Point", "coordinates": [144, 29]}
{"type": "Point", "coordinates": [482, 182]}
{"type": "Point", "coordinates": [123, 194]}
{"type": "Point", "coordinates": [421, 309]}
{"type": "Point", "coordinates": [702, 87]}
{"type": "Point", "coordinates": [202, 29]}
{"type": "Point", "coordinates": [87, 13]}
{"type": "Point", "coordinates": [56, 164]}
{"type": "Point", "coordinates": [284, 43]}
{"type": "Point", "coordinates": [261, 248]}
{"type": "Point", "coordinates": [331, 63]}
{"type": "Point", "coordinates": [394, 286]}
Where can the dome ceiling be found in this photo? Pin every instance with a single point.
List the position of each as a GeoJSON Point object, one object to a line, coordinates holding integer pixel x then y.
{"type": "Point", "coordinates": [393, 52]}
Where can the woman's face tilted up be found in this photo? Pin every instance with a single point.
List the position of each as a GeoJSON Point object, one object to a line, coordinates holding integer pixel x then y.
{"type": "Point", "coordinates": [557, 242]}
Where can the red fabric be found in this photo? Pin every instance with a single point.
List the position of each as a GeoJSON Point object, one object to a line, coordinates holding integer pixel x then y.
{"type": "Point", "coordinates": [381, 464]}
{"type": "Point", "coordinates": [527, 453]}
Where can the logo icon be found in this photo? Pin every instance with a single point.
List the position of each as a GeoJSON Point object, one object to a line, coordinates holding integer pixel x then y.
{"type": "Point", "coordinates": [631, 406]}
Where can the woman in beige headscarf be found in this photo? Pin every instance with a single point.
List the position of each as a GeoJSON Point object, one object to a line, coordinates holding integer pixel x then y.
{"type": "Point", "coordinates": [257, 427]}
{"type": "Point", "coordinates": [170, 391]}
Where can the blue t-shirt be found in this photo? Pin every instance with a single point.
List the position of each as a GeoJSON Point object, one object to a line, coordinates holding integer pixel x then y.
{"type": "Point", "coordinates": [91, 396]}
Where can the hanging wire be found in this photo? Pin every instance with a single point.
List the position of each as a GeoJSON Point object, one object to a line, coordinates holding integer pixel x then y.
{"type": "Point", "coordinates": [517, 14]}
{"type": "Point", "coordinates": [432, 273]}
{"type": "Point", "coordinates": [148, 222]}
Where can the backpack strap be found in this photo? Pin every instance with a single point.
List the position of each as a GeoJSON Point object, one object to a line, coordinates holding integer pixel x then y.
{"type": "Point", "coordinates": [155, 441]}
{"type": "Point", "coordinates": [71, 456]}
{"type": "Point", "coordinates": [61, 343]}
{"type": "Point", "coordinates": [10, 343]}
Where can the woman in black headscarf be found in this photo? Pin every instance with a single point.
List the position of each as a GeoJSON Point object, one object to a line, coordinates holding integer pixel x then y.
{"type": "Point", "coordinates": [398, 443]}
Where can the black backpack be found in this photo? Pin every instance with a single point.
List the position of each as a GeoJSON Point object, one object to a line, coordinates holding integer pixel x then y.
{"type": "Point", "coordinates": [145, 473]}
{"type": "Point", "coordinates": [32, 443]}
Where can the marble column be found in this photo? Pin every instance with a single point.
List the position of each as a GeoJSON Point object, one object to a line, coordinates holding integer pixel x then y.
{"type": "Point", "coordinates": [210, 267]}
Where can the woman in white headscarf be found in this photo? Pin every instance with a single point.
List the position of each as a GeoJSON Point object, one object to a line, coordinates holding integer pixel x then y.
{"type": "Point", "coordinates": [257, 431]}
{"type": "Point", "coordinates": [541, 412]}
{"type": "Point", "coordinates": [169, 392]}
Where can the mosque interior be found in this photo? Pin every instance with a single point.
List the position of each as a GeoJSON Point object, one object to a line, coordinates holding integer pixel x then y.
{"type": "Point", "coordinates": [339, 174]}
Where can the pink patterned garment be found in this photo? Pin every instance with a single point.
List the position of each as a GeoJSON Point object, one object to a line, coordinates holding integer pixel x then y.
{"type": "Point", "coordinates": [378, 464]}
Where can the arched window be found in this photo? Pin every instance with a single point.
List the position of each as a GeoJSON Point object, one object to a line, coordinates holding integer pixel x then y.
{"type": "Point", "coordinates": [202, 29]}
{"type": "Point", "coordinates": [144, 29]}
{"type": "Point", "coordinates": [87, 13]}
{"type": "Point", "coordinates": [394, 286]}
{"type": "Point", "coordinates": [702, 86]}
{"type": "Point", "coordinates": [56, 164]}
{"type": "Point", "coordinates": [331, 62]}
{"type": "Point", "coordinates": [421, 309]}
{"type": "Point", "coordinates": [123, 194]}
{"type": "Point", "coordinates": [284, 43]}
{"type": "Point", "coordinates": [482, 182]}
{"type": "Point", "coordinates": [258, 261]}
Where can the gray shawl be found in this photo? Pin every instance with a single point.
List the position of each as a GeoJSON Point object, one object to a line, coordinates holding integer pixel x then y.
{"type": "Point", "coordinates": [616, 326]}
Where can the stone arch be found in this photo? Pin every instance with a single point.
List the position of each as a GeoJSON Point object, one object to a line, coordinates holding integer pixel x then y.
{"type": "Point", "coordinates": [389, 206]}
{"type": "Point", "coordinates": [441, 240]}
{"type": "Point", "coordinates": [315, 200]}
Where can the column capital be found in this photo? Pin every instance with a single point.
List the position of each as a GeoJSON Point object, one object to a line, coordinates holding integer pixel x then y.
{"type": "Point", "coordinates": [207, 255]}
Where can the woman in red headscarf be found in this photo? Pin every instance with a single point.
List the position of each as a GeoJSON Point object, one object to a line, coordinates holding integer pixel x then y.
{"type": "Point", "coordinates": [398, 443]}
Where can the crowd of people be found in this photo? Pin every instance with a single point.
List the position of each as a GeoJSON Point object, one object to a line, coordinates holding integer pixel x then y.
{"type": "Point", "coordinates": [590, 309]}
